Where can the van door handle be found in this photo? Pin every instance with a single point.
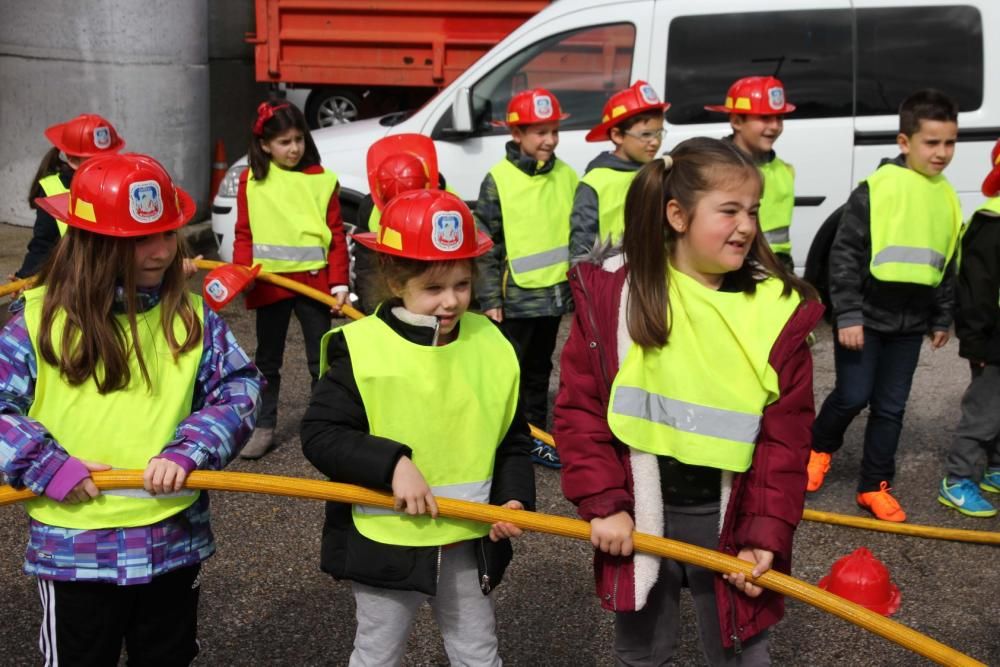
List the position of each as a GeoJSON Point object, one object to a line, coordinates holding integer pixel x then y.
{"type": "Point", "coordinates": [809, 201]}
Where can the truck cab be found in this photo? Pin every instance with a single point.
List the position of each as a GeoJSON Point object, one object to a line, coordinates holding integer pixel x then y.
{"type": "Point", "coordinates": [845, 64]}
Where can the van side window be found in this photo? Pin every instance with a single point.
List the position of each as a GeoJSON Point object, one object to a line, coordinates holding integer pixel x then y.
{"type": "Point", "coordinates": [581, 67]}
{"type": "Point", "coordinates": [810, 51]}
{"type": "Point", "coordinates": [902, 49]}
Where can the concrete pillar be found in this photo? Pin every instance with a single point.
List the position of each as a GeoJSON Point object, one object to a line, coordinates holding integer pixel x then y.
{"type": "Point", "coordinates": [142, 64]}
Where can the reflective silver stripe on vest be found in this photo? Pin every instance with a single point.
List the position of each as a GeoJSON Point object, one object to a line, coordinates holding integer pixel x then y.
{"type": "Point", "coordinates": [478, 492]}
{"type": "Point", "coordinates": [905, 255]}
{"type": "Point", "coordinates": [683, 416]}
{"type": "Point", "coordinates": [146, 495]}
{"type": "Point", "coordinates": [540, 260]}
{"type": "Point", "coordinates": [289, 253]}
{"type": "Point", "coordinates": [777, 236]}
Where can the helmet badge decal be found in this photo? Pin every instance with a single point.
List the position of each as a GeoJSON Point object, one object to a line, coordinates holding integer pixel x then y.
{"type": "Point", "coordinates": [649, 95]}
{"type": "Point", "coordinates": [144, 201]}
{"type": "Point", "coordinates": [102, 137]}
{"type": "Point", "coordinates": [446, 231]}
{"type": "Point", "coordinates": [776, 97]}
{"type": "Point", "coordinates": [543, 106]}
{"type": "Point", "coordinates": [216, 290]}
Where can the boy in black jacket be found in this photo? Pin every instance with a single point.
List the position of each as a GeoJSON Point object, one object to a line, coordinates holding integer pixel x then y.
{"type": "Point", "coordinates": [977, 324]}
{"type": "Point", "coordinates": [891, 283]}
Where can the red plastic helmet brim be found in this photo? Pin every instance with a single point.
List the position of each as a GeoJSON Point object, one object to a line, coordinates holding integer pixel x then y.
{"type": "Point", "coordinates": [370, 241]}
{"type": "Point", "coordinates": [602, 132]}
{"type": "Point", "coordinates": [58, 207]}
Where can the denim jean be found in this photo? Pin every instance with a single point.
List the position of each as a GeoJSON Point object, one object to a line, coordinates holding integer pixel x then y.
{"type": "Point", "coordinates": [879, 377]}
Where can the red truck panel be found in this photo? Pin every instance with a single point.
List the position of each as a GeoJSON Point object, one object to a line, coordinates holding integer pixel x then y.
{"type": "Point", "coordinates": [379, 43]}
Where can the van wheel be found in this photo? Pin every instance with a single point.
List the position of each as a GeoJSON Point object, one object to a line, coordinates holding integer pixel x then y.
{"type": "Point", "coordinates": [332, 106]}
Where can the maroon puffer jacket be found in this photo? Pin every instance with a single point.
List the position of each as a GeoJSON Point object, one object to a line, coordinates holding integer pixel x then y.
{"type": "Point", "coordinates": [765, 503]}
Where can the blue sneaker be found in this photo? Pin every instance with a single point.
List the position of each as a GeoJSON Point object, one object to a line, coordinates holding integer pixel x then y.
{"type": "Point", "coordinates": [965, 497]}
{"type": "Point", "coordinates": [545, 455]}
{"type": "Point", "coordinates": [991, 481]}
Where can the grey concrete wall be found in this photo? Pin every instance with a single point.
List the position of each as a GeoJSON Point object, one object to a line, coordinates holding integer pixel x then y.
{"type": "Point", "coordinates": [142, 64]}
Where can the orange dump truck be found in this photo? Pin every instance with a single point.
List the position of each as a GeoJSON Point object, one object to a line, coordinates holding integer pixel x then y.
{"type": "Point", "coordinates": [363, 58]}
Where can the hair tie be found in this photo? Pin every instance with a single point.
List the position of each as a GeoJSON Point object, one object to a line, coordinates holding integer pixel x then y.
{"type": "Point", "coordinates": [265, 112]}
{"type": "Point", "coordinates": [668, 161]}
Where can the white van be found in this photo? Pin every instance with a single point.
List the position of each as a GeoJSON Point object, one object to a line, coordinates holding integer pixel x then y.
{"type": "Point", "coordinates": [846, 65]}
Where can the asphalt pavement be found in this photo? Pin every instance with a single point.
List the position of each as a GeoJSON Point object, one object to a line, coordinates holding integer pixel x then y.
{"type": "Point", "coordinates": [265, 602]}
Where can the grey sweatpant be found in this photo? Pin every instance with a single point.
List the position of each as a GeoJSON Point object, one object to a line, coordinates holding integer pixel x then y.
{"type": "Point", "coordinates": [979, 426]}
{"type": "Point", "coordinates": [648, 637]}
{"type": "Point", "coordinates": [464, 615]}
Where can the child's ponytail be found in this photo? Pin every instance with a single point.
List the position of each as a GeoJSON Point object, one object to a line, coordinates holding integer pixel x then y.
{"type": "Point", "coordinates": [273, 118]}
{"type": "Point", "coordinates": [51, 164]}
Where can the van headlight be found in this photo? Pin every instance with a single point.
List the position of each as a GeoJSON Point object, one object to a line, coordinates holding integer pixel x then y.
{"type": "Point", "coordinates": [231, 182]}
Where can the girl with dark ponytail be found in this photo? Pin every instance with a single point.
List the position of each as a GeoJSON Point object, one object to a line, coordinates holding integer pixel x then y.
{"type": "Point", "coordinates": [685, 404]}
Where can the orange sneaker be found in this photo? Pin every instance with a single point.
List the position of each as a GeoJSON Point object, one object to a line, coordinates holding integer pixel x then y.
{"type": "Point", "coordinates": [819, 465]}
{"type": "Point", "coordinates": [882, 504]}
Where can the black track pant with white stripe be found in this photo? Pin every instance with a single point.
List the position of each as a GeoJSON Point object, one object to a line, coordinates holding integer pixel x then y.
{"type": "Point", "coordinates": [85, 623]}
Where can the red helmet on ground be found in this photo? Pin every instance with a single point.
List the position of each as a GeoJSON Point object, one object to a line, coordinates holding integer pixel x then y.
{"type": "Point", "coordinates": [862, 578]}
{"type": "Point", "coordinates": [624, 104]}
{"type": "Point", "coordinates": [758, 95]}
{"type": "Point", "coordinates": [223, 283]}
{"type": "Point", "coordinates": [991, 185]}
{"type": "Point", "coordinates": [400, 163]}
{"type": "Point", "coordinates": [533, 106]}
{"type": "Point", "coordinates": [429, 225]}
{"type": "Point", "coordinates": [121, 195]}
{"type": "Point", "coordinates": [86, 135]}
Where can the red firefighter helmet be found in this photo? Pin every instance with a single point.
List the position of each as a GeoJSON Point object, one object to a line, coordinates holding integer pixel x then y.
{"type": "Point", "coordinates": [86, 135]}
{"type": "Point", "coordinates": [758, 95]}
{"type": "Point", "coordinates": [862, 578]}
{"type": "Point", "coordinates": [624, 104]}
{"type": "Point", "coordinates": [533, 106]}
{"type": "Point", "coordinates": [121, 195]}
{"type": "Point", "coordinates": [223, 283]}
{"type": "Point", "coordinates": [991, 184]}
{"type": "Point", "coordinates": [429, 225]}
{"type": "Point", "coordinates": [400, 163]}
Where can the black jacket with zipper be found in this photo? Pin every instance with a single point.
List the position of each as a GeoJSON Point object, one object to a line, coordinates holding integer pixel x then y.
{"type": "Point", "coordinates": [336, 439]}
{"type": "Point", "coordinates": [977, 318]}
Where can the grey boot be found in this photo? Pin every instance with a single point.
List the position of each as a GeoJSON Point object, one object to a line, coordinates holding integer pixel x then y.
{"type": "Point", "coordinates": [260, 443]}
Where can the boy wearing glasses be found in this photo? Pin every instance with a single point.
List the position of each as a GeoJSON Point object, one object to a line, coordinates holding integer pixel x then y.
{"type": "Point", "coordinates": [756, 106]}
{"type": "Point", "coordinates": [633, 122]}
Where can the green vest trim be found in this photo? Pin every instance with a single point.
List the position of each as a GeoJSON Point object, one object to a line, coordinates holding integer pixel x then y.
{"type": "Point", "coordinates": [915, 224]}
{"type": "Point", "coordinates": [124, 429]}
{"type": "Point", "coordinates": [52, 185]}
{"type": "Point", "coordinates": [992, 205]}
{"type": "Point", "coordinates": [536, 212]}
{"type": "Point", "coordinates": [700, 398]}
{"type": "Point", "coordinates": [611, 186]}
{"type": "Point", "coordinates": [449, 404]}
{"type": "Point", "coordinates": [777, 204]}
{"type": "Point", "coordinates": [288, 219]}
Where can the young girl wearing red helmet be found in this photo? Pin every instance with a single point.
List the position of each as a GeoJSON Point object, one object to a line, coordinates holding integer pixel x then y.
{"type": "Point", "coordinates": [288, 221]}
{"type": "Point", "coordinates": [685, 405]}
{"type": "Point", "coordinates": [111, 363]}
{"type": "Point", "coordinates": [421, 398]}
{"type": "Point", "coordinates": [73, 142]}
{"type": "Point", "coordinates": [524, 207]}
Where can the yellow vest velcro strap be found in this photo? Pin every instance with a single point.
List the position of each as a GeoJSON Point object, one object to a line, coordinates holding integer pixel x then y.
{"type": "Point", "coordinates": [146, 495]}
{"type": "Point", "coordinates": [898, 254]}
{"type": "Point", "coordinates": [289, 253]}
{"type": "Point", "coordinates": [683, 416]}
{"type": "Point", "coordinates": [540, 260]}
{"type": "Point", "coordinates": [777, 236]}
{"type": "Point", "coordinates": [477, 492]}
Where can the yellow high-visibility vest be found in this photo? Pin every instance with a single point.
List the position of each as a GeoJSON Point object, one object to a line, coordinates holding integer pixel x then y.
{"type": "Point", "coordinates": [915, 223]}
{"type": "Point", "coordinates": [700, 397]}
{"type": "Point", "coordinates": [777, 204]}
{"type": "Point", "coordinates": [536, 213]}
{"type": "Point", "coordinates": [123, 429]}
{"type": "Point", "coordinates": [611, 186]}
{"type": "Point", "coordinates": [52, 185]}
{"type": "Point", "coordinates": [451, 404]}
{"type": "Point", "coordinates": [288, 219]}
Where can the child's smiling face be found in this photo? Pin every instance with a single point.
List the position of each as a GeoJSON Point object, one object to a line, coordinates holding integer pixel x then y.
{"type": "Point", "coordinates": [443, 293]}
{"type": "Point", "coordinates": [538, 140]}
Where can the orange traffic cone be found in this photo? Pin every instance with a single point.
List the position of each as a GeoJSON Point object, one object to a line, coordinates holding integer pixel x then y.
{"type": "Point", "coordinates": [218, 167]}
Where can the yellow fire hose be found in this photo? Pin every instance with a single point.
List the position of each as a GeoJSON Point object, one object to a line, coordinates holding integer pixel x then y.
{"type": "Point", "coordinates": [554, 525]}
